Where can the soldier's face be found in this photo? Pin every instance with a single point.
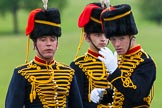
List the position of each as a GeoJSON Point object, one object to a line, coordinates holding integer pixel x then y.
{"type": "Point", "coordinates": [46, 46]}
{"type": "Point", "coordinates": [120, 43]}
{"type": "Point", "coordinates": [98, 39]}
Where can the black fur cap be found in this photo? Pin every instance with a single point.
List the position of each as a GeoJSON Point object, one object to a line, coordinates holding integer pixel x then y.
{"type": "Point", "coordinates": [119, 21]}
{"type": "Point", "coordinates": [49, 23]}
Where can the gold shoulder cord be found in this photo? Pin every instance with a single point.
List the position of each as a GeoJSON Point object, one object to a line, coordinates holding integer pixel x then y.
{"type": "Point", "coordinates": [80, 43]}
{"type": "Point", "coordinates": [27, 49]}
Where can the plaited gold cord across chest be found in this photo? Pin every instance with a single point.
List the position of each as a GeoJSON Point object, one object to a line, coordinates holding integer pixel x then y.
{"type": "Point", "coordinates": [96, 73]}
{"type": "Point", "coordinates": [51, 85]}
{"type": "Point", "coordinates": [127, 64]}
{"type": "Point", "coordinates": [93, 69]}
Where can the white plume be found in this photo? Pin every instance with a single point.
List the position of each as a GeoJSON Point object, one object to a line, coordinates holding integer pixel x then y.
{"type": "Point", "coordinates": [45, 4]}
{"type": "Point", "coordinates": [102, 3]}
{"type": "Point", "coordinates": [106, 2]}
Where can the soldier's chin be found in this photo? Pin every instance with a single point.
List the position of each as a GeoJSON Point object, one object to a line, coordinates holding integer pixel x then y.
{"type": "Point", "coordinates": [48, 56]}
{"type": "Point", "coordinates": [102, 47]}
{"type": "Point", "coordinates": [120, 52]}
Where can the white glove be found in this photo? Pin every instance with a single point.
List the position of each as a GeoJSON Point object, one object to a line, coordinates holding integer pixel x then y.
{"type": "Point", "coordinates": [116, 56]}
{"type": "Point", "coordinates": [97, 94]}
{"type": "Point", "coordinates": [109, 59]}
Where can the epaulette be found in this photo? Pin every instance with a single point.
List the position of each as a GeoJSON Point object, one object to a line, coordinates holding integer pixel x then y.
{"type": "Point", "coordinates": [64, 65]}
{"type": "Point", "coordinates": [21, 65]}
{"type": "Point", "coordinates": [145, 53]}
{"type": "Point", "coordinates": [78, 57]}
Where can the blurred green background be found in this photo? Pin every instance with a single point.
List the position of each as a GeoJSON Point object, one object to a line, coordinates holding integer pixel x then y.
{"type": "Point", "coordinates": [13, 47]}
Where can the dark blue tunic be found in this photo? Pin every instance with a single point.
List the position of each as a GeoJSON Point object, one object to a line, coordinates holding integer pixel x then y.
{"type": "Point", "coordinates": [133, 80]}
{"type": "Point", "coordinates": [43, 92]}
{"type": "Point", "coordinates": [90, 73]}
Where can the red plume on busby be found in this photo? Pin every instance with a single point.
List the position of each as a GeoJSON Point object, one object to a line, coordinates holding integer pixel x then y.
{"type": "Point", "coordinates": [119, 21]}
{"type": "Point", "coordinates": [89, 19]}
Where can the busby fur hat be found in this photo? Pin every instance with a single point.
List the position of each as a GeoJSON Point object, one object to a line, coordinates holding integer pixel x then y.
{"type": "Point", "coordinates": [43, 23]}
{"type": "Point", "coordinates": [89, 19]}
{"type": "Point", "coordinates": [119, 21]}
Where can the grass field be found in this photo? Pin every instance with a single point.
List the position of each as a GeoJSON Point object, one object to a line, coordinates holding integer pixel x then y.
{"type": "Point", "coordinates": [13, 47]}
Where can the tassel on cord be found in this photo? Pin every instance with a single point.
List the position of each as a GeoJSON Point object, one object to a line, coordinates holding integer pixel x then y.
{"type": "Point", "coordinates": [80, 43]}
{"type": "Point", "coordinates": [27, 49]}
{"type": "Point", "coordinates": [152, 92]}
{"type": "Point", "coordinates": [89, 89]}
{"type": "Point", "coordinates": [33, 92]}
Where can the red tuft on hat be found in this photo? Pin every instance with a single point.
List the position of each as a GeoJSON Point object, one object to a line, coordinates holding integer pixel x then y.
{"type": "Point", "coordinates": [30, 24]}
{"type": "Point", "coordinates": [85, 15]}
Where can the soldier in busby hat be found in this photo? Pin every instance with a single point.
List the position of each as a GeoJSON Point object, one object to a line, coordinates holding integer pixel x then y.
{"type": "Point", "coordinates": [134, 77]}
{"type": "Point", "coordinates": [90, 71]}
{"type": "Point", "coordinates": [43, 82]}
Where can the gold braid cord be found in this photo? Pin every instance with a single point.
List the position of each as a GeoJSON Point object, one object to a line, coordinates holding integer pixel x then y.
{"type": "Point", "coordinates": [96, 74]}
{"type": "Point", "coordinates": [49, 84]}
{"type": "Point", "coordinates": [127, 64]}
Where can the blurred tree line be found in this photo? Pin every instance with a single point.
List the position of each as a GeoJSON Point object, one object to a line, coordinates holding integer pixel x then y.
{"type": "Point", "coordinates": [13, 6]}
{"type": "Point", "coordinates": [150, 9]}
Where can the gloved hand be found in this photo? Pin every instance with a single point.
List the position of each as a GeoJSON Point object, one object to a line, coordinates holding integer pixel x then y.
{"type": "Point", "coordinates": [97, 94]}
{"type": "Point", "coordinates": [109, 59]}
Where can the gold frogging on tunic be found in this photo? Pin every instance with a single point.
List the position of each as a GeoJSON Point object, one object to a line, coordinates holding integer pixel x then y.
{"type": "Point", "coordinates": [127, 64]}
{"type": "Point", "coordinates": [49, 84]}
{"type": "Point", "coordinates": [96, 74]}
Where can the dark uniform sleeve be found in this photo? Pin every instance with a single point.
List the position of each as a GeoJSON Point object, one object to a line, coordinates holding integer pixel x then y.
{"type": "Point", "coordinates": [83, 86]}
{"type": "Point", "coordinates": [80, 78]}
{"type": "Point", "coordinates": [16, 91]}
{"type": "Point", "coordinates": [74, 95]}
{"type": "Point", "coordinates": [143, 77]}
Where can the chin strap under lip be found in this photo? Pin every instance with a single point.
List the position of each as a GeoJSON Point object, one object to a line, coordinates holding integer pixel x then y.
{"type": "Point", "coordinates": [130, 43]}
{"type": "Point", "coordinates": [95, 45]}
